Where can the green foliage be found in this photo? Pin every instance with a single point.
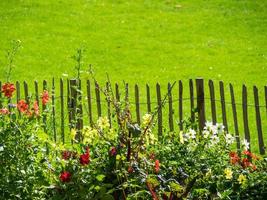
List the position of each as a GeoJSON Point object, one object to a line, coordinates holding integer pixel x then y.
{"type": "Point", "coordinates": [124, 162]}
{"type": "Point", "coordinates": [21, 174]}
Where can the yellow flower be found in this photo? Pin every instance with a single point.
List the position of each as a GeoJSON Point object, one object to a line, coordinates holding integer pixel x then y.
{"type": "Point", "coordinates": [228, 173]}
{"type": "Point", "coordinates": [181, 137]}
{"type": "Point", "coordinates": [89, 134]}
{"type": "Point", "coordinates": [241, 179]}
{"type": "Point", "coordinates": [103, 122]}
{"type": "Point", "coordinates": [73, 133]}
{"type": "Point", "coordinates": [146, 119]}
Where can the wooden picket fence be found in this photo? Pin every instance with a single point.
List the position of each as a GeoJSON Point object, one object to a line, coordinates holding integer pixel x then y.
{"type": "Point", "coordinates": [76, 97]}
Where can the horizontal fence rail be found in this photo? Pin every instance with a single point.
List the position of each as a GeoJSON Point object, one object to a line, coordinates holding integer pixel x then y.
{"type": "Point", "coordinates": [76, 103]}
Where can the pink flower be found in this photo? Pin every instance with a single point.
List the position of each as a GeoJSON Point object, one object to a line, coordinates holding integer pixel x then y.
{"type": "Point", "coordinates": [45, 97]}
{"type": "Point", "coordinates": [4, 111]}
{"type": "Point", "coordinates": [36, 108]}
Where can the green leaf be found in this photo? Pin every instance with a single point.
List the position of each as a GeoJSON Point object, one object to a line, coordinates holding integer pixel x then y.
{"type": "Point", "coordinates": [100, 177]}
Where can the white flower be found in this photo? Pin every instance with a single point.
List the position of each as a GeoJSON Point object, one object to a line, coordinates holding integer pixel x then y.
{"type": "Point", "coordinates": [1, 148]}
{"type": "Point", "coordinates": [185, 137]}
{"type": "Point", "coordinates": [229, 139]}
{"type": "Point", "coordinates": [191, 134]}
{"type": "Point", "coordinates": [220, 128]}
{"type": "Point", "coordinates": [245, 144]}
{"type": "Point", "coordinates": [214, 130]}
{"type": "Point", "coordinates": [208, 126]}
{"type": "Point", "coordinates": [205, 133]}
{"type": "Point", "coordinates": [103, 122]}
{"type": "Point", "coordinates": [214, 139]}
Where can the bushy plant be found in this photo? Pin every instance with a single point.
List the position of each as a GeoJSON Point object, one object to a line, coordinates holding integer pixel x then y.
{"type": "Point", "coordinates": [21, 175]}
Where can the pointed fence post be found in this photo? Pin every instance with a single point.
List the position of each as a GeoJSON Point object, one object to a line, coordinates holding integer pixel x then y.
{"type": "Point", "coordinates": [200, 103]}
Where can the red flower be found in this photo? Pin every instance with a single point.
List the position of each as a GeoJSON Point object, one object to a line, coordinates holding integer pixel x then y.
{"type": "Point", "coordinates": [251, 155]}
{"type": "Point", "coordinates": [22, 106]}
{"type": "Point", "coordinates": [65, 176]}
{"type": "Point", "coordinates": [246, 163]}
{"type": "Point", "coordinates": [113, 151]}
{"type": "Point", "coordinates": [254, 167]}
{"type": "Point", "coordinates": [152, 156]}
{"type": "Point", "coordinates": [4, 111]}
{"type": "Point", "coordinates": [85, 158]}
{"type": "Point", "coordinates": [130, 169]}
{"type": "Point", "coordinates": [234, 158]}
{"type": "Point", "coordinates": [45, 97]}
{"type": "Point", "coordinates": [157, 165]}
{"type": "Point", "coordinates": [36, 108]}
{"type": "Point", "coordinates": [66, 155]}
{"type": "Point", "coordinates": [8, 89]}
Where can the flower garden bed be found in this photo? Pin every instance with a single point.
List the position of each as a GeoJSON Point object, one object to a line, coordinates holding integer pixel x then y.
{"type": "Point", "coordinates": [123, 162]}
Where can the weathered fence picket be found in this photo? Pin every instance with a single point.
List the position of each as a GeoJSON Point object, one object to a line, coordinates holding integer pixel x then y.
{"type": "Point", "coordinates": [192, 105]}
{"type": "Point", "coordinates": [223, 106]}
{"type": "Point", "coordinates": [89, 102]}
{"type": "Point", "coordinates": [148, 98]}
{"type": "Point", "coordinates": [98, 101]}
{"type": "Point", "coordinates": [36, 92]}
{"type": "Point", "coordinates": [137, 104]}
{"type": "Point", "coordinates": [180, 105]}
{"type": "Point", "coordinates": [159, 104]}
{"type": "Point", "coordinates": [235, 116]}
{"type": "Point", "coordinates": [62, 121]}
{"type": "Point", "coordinates": [245, 113]}
{"type": "Point", "coordinates": [108, 102]}
{"type": "Point", "coordinates": [26, 92]}
{"type": "Point", "coordinates": [171, 127]}
{"type": "Point", "coordinates": [200, 103]}
{"type": "Point", "coordinates": [53, 110]}
{"type": "Point", "coordinates": [212, 102]}
{"type": "Point", "coordinates": [258, 120]}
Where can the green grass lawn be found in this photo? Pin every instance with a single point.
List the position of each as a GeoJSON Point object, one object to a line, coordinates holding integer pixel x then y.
{"type": "Point", "coordinates": [138, 41]}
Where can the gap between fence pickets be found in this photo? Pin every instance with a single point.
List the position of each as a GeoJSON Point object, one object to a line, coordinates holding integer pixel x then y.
{"type": "Point", "coordinates": [200, 100]}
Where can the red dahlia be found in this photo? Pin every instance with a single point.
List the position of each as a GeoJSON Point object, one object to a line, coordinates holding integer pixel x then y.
{"type": "Point", "coordinates": [22, 106]}
{"type": "Point", "coordinates": [8, 89]}
{"type": "Point", "coordinates": [66, 155]}
{"type": "Point", "coordinates": [85, 158]}
{"type": "Point", "coordinates": [234, 158]}
{"type": "Point", "coordinates": [65, 176]}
